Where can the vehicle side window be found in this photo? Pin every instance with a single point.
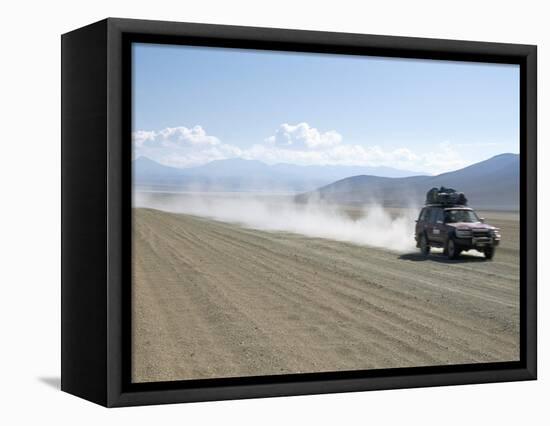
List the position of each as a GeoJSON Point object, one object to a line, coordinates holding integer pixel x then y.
{"type": "Point", "coordinates": [432, 217]}
{"type": "Point", "coordinates": [428, 217]}
{"type": "Point", "coordinates": [424, 214]}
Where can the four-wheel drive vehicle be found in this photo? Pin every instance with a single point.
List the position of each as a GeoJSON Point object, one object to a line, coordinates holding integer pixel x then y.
{"type": "Point", "coordinates": [454, 228]}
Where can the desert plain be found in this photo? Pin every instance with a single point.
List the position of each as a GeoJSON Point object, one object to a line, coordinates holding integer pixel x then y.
{"type": "Point", "coordinates": [214, 298]}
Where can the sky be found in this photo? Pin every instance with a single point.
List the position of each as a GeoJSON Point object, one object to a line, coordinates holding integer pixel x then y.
{"type": "Point", "coordinates": [193, 105]}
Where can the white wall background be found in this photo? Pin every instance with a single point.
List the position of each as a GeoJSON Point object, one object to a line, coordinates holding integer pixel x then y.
{"type": "Point", "coordinates": [30, 182]}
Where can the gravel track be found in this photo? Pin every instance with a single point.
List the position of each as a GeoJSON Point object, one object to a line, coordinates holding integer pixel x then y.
{"type": "Point", "coordinates": [213, 299]}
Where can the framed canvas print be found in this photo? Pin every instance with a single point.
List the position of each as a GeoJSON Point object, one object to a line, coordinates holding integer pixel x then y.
{"type": "Point", "coordinates": [252, 212]}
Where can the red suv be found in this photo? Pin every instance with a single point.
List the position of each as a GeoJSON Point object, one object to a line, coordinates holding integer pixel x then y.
{"type": "Point", "coordinates": [455, 229]}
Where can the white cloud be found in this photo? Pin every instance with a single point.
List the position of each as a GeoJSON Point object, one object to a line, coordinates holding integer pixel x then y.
{"type": "Point", "coordinates": [296, 144]}
{"type": "Point", "coordinates": [442, 158]}
{"type": "Point", "coordinates": [174, 137]}
{"type": "Point", "coordinates": [302, 136]}
{"type": "Point", "coordinates": [181, 146]}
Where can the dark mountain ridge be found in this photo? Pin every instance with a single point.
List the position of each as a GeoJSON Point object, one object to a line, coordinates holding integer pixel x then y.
{"type": "Point", "coordinates": [489, 184]}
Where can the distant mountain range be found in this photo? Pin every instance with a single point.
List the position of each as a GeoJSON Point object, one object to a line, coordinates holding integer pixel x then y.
{"type": "Point", "coordinates": [248, 175]}
{"type": "Point", "coordinates": [489, 184]}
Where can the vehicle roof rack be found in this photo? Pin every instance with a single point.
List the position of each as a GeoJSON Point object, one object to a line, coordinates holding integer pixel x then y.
{"type": "Point", "coordinates": [446, 205]}
{"type": "Point", "coordinates": [445, 196]}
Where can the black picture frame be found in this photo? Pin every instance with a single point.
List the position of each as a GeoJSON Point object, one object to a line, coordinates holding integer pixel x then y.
{"type": "Point", "coordinates": [96, 203]}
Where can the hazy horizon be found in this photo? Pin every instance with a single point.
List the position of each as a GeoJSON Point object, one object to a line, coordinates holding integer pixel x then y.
{"type": "Point", "coordinates": [312, 165]}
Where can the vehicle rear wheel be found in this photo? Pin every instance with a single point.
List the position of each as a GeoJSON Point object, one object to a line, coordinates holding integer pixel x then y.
{"type": "Point", "coordinates": [424, 246]}
{"type": "Point", "coordinates": [489, 253]}
{"type": "Point", "coordinates": [452, 251]}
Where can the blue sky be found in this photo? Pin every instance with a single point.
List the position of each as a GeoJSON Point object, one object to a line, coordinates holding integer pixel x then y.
{"type": "Point", "coordinates": [197, 104]}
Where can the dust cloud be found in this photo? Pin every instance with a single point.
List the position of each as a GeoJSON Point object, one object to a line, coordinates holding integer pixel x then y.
{"type": "Point", "coordinates": [370, 225]}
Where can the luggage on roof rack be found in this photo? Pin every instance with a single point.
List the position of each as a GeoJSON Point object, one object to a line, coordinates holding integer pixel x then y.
{"type": "Point", "coordinates": [447, 196]}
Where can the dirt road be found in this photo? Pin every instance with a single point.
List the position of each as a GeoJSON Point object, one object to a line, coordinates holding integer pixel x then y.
{"type": "Point", "coordinates": [212, 299]}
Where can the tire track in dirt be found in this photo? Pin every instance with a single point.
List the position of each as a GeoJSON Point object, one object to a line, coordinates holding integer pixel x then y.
{"type": "Point", "coordinates": [218, 237]}
{"type": "Point", "coordinates": [212, 299]}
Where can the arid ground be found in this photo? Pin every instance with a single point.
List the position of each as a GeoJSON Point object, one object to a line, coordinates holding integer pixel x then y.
{"type": "Point", "coordinates": [214, 299]}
